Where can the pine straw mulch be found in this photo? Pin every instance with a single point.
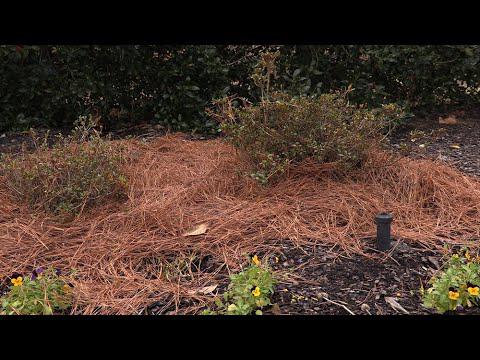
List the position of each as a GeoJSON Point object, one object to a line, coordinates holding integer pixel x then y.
{"type": "Point", "coordinates": [120, 251]}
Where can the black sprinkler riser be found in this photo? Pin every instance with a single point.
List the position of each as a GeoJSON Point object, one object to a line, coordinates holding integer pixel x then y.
{"type": "Point", "coordinates": [383, 221]}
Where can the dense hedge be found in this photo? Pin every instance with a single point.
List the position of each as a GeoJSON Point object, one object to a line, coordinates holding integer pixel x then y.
{"type": "Point", "coordinates": [419, 77]}
{"type": "Point", "coordinates": [172, 85]}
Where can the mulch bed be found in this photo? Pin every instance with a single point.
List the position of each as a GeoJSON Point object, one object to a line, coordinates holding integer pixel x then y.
{"type": "Point", "coordinates": [440, 141]}
{"type": "Point", "coordinates": [321, 281]}
{"type": "Point", "coordinates": [324, 281]}
{"type": "Point", "coordinates": [332, 284]}
{"type": "Point", "coordinates": [359, 284]}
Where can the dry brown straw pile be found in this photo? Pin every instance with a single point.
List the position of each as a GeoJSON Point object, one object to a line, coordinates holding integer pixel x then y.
{"type": "Point", "coordinates": [177, 184]}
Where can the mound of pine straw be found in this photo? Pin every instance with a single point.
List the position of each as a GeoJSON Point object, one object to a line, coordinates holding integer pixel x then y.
{"type": "Point", "coordinates": [176, 185]}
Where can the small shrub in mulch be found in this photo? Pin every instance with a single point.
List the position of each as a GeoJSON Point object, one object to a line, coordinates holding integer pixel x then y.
{"type": "Point", "coordinates": [77, 172]}
{"type": "Point", "coordinates": [283, 130]}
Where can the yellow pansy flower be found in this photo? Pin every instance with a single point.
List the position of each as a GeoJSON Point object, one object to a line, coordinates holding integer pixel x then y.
{"type": "Point", "coordinates": [256, 292]}
{"type": "Point", "coordinates": [255, 260]}
{"type": "Point", "coordinates": [18, 281]}
{"type": "Point", "coordinates": [453, 295]}
{"type": "Point", "coordinates": [475, 291]}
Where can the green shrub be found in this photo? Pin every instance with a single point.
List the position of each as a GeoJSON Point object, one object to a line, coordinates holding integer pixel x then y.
{"type": "Point", "coordinates": [457, 285]}
{"type": "Point", "coordinates": [170, 85]}
{"type": "Point", "coordinates": [79, 171]}
{"type": "Point", "coordinates": [283, 130]}
{"type": "Point", "coordinates": [248, 291]}
{"type": "Point", "coordinates": [40, 294]}
{"type": "Point", "coordinates": [429, 78]}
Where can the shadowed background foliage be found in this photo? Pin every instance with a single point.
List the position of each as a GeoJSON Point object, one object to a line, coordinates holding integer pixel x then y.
{"type": "Point", "coordinates": [50, 86]}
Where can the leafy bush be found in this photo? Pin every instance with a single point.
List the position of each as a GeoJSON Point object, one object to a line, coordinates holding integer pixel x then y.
{"type": "Point", "coordinates": [431, 77]}
{"type": "Point", "coordinates": [248, 291]}
{"type": "Point", "coordinates": [44, 292]}
{"type": "Point", "coordinates": [171, 85]}
{"type": "Point", "coordinates": [457, 285]}
{"type": "Point", "coordinates": [79, 171]}
{"type": "Point", "coordinates": [283, 130]}
{"type": "Point", "coordinates": [168, 85]}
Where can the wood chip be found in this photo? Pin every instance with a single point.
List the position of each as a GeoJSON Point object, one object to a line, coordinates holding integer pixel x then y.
{"type": "Point", "coordinates": [395, 305]}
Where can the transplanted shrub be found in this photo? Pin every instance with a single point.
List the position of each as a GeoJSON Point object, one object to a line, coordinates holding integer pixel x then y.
{"type": "Point", "coordinates": [283, 130]}
{"type": "Point", "coordinates": [77, 172]}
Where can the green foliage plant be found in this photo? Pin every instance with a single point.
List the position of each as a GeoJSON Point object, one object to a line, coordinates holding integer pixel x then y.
{"type": "Point", "coordinates": [283, 130]}
{"type": "Point", "coordinates": [458, 284]}
{"type": "Point", "coordinates": [249, 291]}
{"type": "Point", "coordinates": [75, 173]}
{"type": "Point", "coordinates": [43, 293]}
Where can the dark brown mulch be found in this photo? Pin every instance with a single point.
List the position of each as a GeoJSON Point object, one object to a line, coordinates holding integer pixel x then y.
{"type": "Point", "coordinates": [12, 142]}
{"type": "Point", "coordinates": [320, 281]}
{"type": "Point", "coordinates": [427, 138]}
{"type": "Point", "coordinates": [334, 284]}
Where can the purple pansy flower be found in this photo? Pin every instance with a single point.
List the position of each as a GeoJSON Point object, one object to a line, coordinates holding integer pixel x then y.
{"type": "Point", "coordinates": [36, 272]}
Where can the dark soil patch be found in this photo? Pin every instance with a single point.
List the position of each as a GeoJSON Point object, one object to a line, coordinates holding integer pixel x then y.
{"type": "Point", "coordinates": [13, 142]}
{"type": "Point", "coordinates": [457, 145]}
{"type": "Point", "coordinates": [333, 284]}
{"type": "Point", "coordinates": [320, 281]}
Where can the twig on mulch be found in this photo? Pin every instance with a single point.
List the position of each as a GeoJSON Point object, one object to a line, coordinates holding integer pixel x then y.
{"type": "Point", "coordinates": [338, 304]}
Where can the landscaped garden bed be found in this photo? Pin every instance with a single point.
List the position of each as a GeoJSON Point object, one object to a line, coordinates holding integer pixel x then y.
{"type": "Point", "coordinates": [275, 216]}
{"type": "Point", "coordinates": [176, 184]}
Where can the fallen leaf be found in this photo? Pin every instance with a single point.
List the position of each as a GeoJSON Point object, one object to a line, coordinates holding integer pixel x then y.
{"type": "Point", "coordinates": [455, 146]}
{"type": "Point", "coordinates": [204, 291]}
{"type": "Point", "coordinates": [198, 230]}
{"type": "Point", "coordinates": [450, 120]}
{"type": "Point", "coordinates": [395, 305]}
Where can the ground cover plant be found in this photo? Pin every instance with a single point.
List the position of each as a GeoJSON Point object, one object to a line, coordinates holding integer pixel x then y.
{"type": "Point", "coordinates": [75, 173]}
{"type": "Point", "coordinates": [457, 285]}
{"type": "Point", "coordinates": [249, 291]}
{"type": "Point", "coordinates": [44, 292]}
